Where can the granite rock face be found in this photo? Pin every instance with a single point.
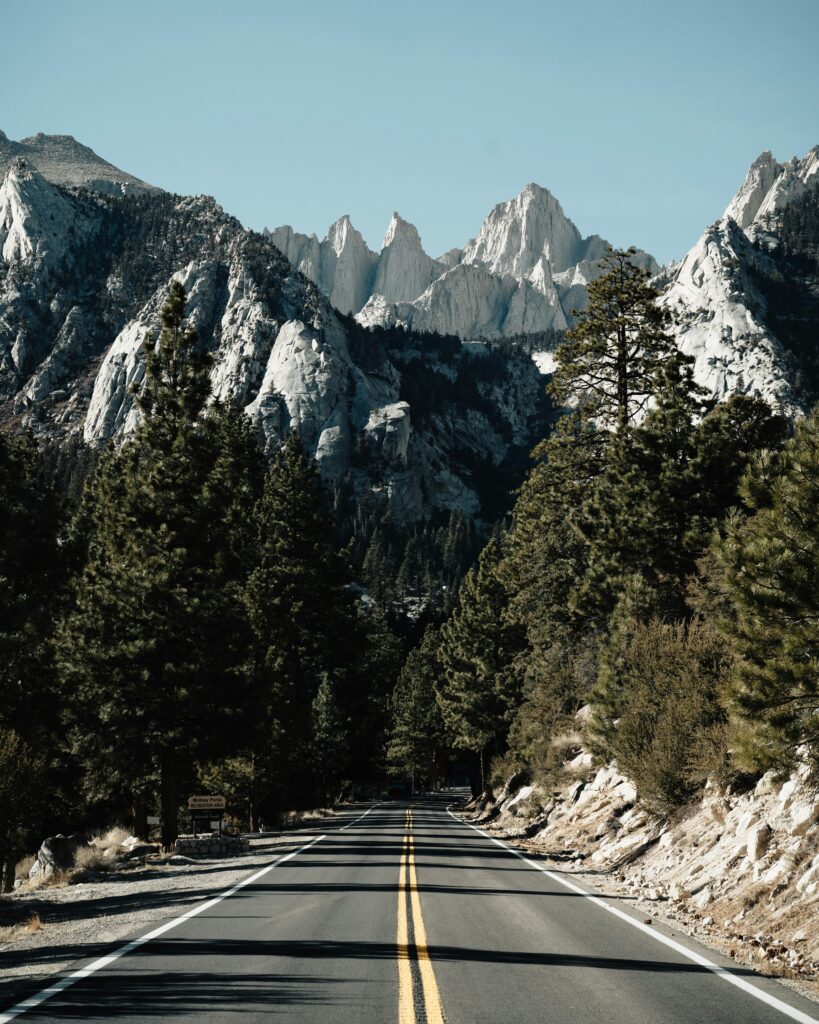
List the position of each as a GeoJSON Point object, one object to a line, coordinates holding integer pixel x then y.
{"type": "Point", "coordinates": [746, 296]}
{"type": "Point", "coordinates": [525, 272]}
{"type": "Point", "coordinates": [36, 219]}
{"type": "Point", "coordinates": [84, 276]}
{"type": "Point", "coordinates": [341, 265]}
{"type": "Point", "coordinates": [769, 187]}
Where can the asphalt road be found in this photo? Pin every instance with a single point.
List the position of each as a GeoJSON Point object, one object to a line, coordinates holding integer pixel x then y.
{"type": "Point", "coordinates": [408, 915]}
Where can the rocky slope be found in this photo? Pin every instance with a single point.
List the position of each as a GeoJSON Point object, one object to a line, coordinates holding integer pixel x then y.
{"type": "Point", "coordinates": [747, 295]}
{"type": "Point", "coordinates": [420, 422]}
{"type": "Point", "coordinates": [525, 272]}
{"type": "Point", "coordinates": [64, 161]}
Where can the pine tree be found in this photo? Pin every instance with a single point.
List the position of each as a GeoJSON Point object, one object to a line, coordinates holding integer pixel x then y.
{"type": "Point", "coordinates": [417, 741]}
{"type": "Point", "coordinates": [24, 783]}
{"type": "Point", "coordinates": [31, 565]}
{"type": "Point", "coordinates": [479, 692]}
{"type": "Point", "coordinates": [770, 565]}
{"type": "Point", "coordinates": [544, 556]}
{"type": "Point", "coordinates": [155, 647]}
{"type": "Point", "coordinates": [643, 517]}
{"type": "Point", "coordinates": [610, 359]}
{"type": "Point", "coordinates": [306, 626]}
{"type": "Point", "coordinates": [30, 577]}
{"type": "Point", "coordinates": [637, 604]}
{"type": "Point", "coordinates": [330, 740]}
{"type": "Point", "coordinates": [672, 674]}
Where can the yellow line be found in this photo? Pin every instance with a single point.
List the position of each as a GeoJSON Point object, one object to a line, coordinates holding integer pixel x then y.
{"type": "Point", "coordinates": [406, 1006]}
{"type": "Point", "coordinates": [432, 997]}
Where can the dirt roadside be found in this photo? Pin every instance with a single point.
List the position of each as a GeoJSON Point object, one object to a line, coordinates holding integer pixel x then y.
{"type": "Point", "coordinates": [83, 920]}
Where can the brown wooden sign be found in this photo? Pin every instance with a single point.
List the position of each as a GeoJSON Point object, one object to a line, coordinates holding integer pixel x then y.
{"type": "Point", "coordinates": [206, 803]}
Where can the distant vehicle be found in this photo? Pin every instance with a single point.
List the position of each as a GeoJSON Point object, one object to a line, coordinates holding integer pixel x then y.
{"type": "Point", "coordinates": [397, 789]}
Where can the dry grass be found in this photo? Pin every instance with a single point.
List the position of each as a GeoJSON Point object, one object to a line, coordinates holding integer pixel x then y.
{"type": "Point", "coordinates": [31, 925]}
{"type": "Point", "coordinates": [292, 819]}
{"type": "Point", "coordinates": [115, 836]}
{"type": "Point", "coordinates": [24, 866]}
{"type": "Point", "coordinates": [94, 858]}
{"type": "Point", "coordinates": [755, 893]}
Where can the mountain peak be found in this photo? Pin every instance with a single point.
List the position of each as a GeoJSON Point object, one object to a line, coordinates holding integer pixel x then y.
{"type": "Point", "coordinates": [768, 187]}
{"type": "Point", "coordinates": [536, 191]}
{"type": "Point", "coordinates": [404, 269]}
{"type": "Point", "coordinates": [400, 230]}
{"type": "Point", "coordinates": [64, 161]}
{"type": "Point", "coordinates": [765, 159]}
{"type": "Point", "coordinates": [519, 232]}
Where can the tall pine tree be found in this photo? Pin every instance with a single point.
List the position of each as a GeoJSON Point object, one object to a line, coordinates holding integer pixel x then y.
{"type": "Point", "coordinates": [770, 566]}
{"type": "Point", "coordinates": [479, 691]}
{"type": "Point", "coordinates": [305, 622]}
{"type": "Point", "coordinates": [30, 583]}
{"type": "Point", "coordinates": [609, 361]}
{"type": "Point", "coordinates": [417, 743]}
{"type": "Point", "coordinates": [155, 646]}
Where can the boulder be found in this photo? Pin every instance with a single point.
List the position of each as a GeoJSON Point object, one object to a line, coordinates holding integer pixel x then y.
{"type": "Point", "coordinates": [677, 892]}
{"type": "Point", "coordinates": [803, 816]}
{"type": "Point", "coordinates": [137, 850]}
{"type": "Point", "coordinates": [758, 839]}
{"type": "Point", "coordinates": [810, 877]}
{"type": "Point", "coordinates": [55, 854]}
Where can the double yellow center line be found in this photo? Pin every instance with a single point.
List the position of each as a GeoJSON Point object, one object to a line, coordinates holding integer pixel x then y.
{"type": "Point", "coordinates": [414, 964]}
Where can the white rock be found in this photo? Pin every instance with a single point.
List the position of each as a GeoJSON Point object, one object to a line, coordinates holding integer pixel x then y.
{"type": "Point", "coordinates": [720, 313]}
{"type": "Point", "coordinates": [769, 187]}
{"type": "Point", "coordinates": [749, 818]}
{"type": "Point", "coordinates": [808, 879]}
{"type": "Point", "coordinates": [767, 785]}
{"type": "Point", "coordinates": [404, 269]}
{"type": "Point", "coordinates": [758, 839]}
{"type": "Point", "coordinates": [803, 816]}
{"type": "Point", "coordinates": [390, 427]}
{"type": "Point", "coordinates": [36, 220]}
{"type": "Point", "coordinates": [788, 793]}
{"type": "Point", "coordinates": [525, 272]}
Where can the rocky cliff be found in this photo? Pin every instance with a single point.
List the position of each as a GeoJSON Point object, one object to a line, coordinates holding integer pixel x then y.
{"type": "Point", "coordinates": [526, 271]}
{"type": "Point", "coordinates": [747, 294]}
{"type": "Point", "coordinates": [394, 401]}
{"type": "Point", "coordinates": [738, 868]}
{"type": "Point", "coordinates": [414, 420]}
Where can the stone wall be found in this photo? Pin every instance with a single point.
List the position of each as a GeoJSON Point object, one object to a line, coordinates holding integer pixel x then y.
{"type": "Point", "coordinates": [212, 846]}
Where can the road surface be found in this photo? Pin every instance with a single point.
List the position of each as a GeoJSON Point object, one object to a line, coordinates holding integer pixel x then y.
{"type": "Point", "coordinates": [408, 915]}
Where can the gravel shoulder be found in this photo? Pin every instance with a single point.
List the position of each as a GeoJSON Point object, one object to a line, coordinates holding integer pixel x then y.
{"type": "Point", "coordinates": [82, 921]}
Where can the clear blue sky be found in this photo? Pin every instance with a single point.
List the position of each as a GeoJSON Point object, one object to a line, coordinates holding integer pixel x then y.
{"type": "Point", "coordinates": [641, 117]}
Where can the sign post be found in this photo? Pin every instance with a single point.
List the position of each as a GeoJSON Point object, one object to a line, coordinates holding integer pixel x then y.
{"type": "Point", "coordinates": [205, 808]}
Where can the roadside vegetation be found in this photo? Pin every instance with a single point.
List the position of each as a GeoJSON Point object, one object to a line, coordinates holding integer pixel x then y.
{"type": "Point", "coordinates": [188, 626]}
{"type": "Point", "coordinates": [660, 570]}
{"type": "Point", "coordinates": [191, 624]}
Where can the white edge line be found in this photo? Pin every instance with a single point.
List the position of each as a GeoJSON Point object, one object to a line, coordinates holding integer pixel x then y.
{"type": "Point", "coordinates": [343, 827]}
{"type": "Point", "coordinates": [129, 947]}
{"type": "Point", "coordinates": [97, 965]}
{"type": "Point", "coordinates": [723, 972]}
